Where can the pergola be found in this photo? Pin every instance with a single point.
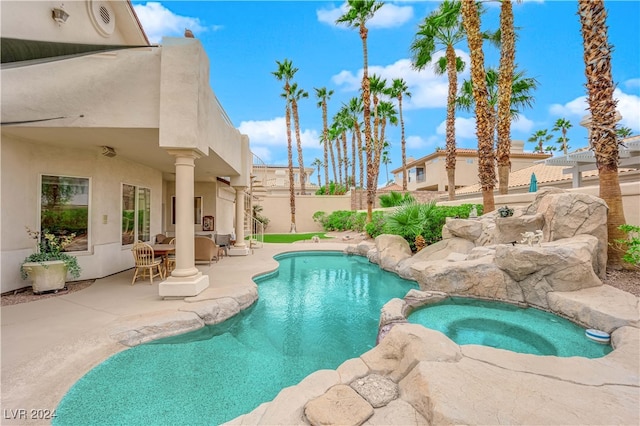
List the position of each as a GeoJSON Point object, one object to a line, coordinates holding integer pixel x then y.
{"type": "Point", "coordinates": [584, 160]}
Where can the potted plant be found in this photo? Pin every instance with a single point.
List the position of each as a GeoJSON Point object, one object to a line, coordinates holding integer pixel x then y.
{"type": "Point", "coordinates": [49, 265]}
{"type": "Point", "coordinates": [505, 211]}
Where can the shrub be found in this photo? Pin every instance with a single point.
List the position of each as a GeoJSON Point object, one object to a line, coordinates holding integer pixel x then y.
{"type": "Point", "coordinates": [334, 189]}
{"type": "Point", "coordinates": [632, 244]}
{"type": "Point", "coordinates": [377, 224]}
{"type": "Point", "coordinates": [393, 199]}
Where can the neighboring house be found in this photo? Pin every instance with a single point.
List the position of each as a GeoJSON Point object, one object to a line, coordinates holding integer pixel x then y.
{"type": "Point", "coordinates": [274, 179]}
{"type": "Point", "coordinates": [429, 173]}
{"type": "Point", "coordinates": [111, 138]}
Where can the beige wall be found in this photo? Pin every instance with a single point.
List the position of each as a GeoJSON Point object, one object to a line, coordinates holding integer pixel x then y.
{"type": "Point", "coordinates": [630, 199]}
{"type": "Point", "coordinates": [277, 209]}
{"type": "Point", "coordinates": [22, 164]}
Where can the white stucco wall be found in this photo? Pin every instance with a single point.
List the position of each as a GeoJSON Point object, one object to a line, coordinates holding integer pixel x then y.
{"type": "Point", "coordinates": [22, 164]}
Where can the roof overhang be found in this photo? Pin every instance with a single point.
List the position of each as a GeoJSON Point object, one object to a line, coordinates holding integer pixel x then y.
{"type": "Point", "coordinates": [18, 52]}
{"type": "Point", "coordinates": [628, 154]}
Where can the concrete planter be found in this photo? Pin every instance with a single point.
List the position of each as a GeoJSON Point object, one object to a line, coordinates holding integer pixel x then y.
{"type": "Point", "coordinates": [46, 276]}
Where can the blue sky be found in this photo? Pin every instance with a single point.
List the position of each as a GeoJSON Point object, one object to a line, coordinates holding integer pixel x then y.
{"type": "Point", "coordinates": [244, 39]}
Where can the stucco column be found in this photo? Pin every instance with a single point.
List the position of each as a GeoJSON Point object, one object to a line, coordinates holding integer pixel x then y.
{"type": "Point", "coordinates": [240, 216]}
{"type": "Point", "coordinates": [185, 234]}
{"type": "Point", "coordinates": [185, 279]}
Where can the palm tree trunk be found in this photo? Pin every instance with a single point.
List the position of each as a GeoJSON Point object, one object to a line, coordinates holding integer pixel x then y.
{"type": "Point", "coordinates": [366, 100]}
{"type": "Point", "coordinates": [296, 122]}
{"type": "Point", "coordinates": [345, 160]}
{"type": "Point", "coordinates": [486, 156]}
{"type": "Point", "coordinates": [292, 193]}
{"type": "Point", "coordinates": [361, 164]}
{"type": "Point", "coordinates": [333, 162]}
{"type": "Point", "coordinates": [602, 135]}
{"type": "Point", "coordinates": [450, 162]}
{"type": "Point", "coordinates": [354, 158]}
{"type": "Point", "coordinates": [325, 133]}
{"type": "Point", "coordinates": [339, 155]}
{"type": "Point", "coordinates": [505, 80]}
{"type": "Point", "coordinates": [403, 143]}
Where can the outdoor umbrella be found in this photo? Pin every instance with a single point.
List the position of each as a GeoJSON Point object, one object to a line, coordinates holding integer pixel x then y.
{"type": "Point", "coordinates": [533, 185]}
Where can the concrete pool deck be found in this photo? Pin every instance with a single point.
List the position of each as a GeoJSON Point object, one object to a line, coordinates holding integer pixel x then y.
{"type": "Point", "coordinates": [48, 345]}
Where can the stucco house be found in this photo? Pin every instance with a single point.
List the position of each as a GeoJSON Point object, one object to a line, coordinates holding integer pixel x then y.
{"type": "Point", "coordinates": [428, 173]}
{"type": "Point", "coordinates": [112, 138]}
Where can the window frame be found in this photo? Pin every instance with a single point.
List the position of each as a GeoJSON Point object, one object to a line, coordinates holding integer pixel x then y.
{"type": "Point", "coordinates": [136, 208]}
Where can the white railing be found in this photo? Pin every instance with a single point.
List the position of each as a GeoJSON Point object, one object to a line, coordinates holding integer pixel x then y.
{"type": "Point", "coordinates": [255, 233]}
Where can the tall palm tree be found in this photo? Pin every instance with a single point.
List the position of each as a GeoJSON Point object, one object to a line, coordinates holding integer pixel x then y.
{"type": "Point", "coordinates": [397, 90]}
{"type": "Point", "coordinates": [324, 95]}
{"type": "Point", "coordinates": [378, 87]}
{"type": "Point", "coordinates": [442, 29]}
{"type": "Point", "coordinates": [356, 16]}
{"type": "Point", "coordinates": [334, 133]}
{"type": "Point", "coordinates": [386, 160]}
{"type": "Point", "coordinates": [486, 155]}
{"type": "Point", "coordinates": [623, 132]}
{"type": "Point", "coordinates": [602, 135]}
{"type": "Point", "coordinates": [387, 114]}
{"type": "Point", "coordinates": [505, 85]}
{"type": "Point", "coordinates": [350, 123]}
{"type": "Point", "coordinates": [521, 97]}
{"type": "Point", "coordinates": [297, 94]}
{"type": "Point", "coordinates": [562, 125]}
{"type": "Point", "coordinates": [317, 163]}
{"type": "Point", "coordinates": [356, 109]}
{"type": "Point", "coordinates": [539, 137]}
{"type": "Point", "coordinates": [285, 72]}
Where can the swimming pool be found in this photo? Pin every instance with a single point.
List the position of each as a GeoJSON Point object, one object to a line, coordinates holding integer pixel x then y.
{"type": "Point", "coordinates": [506, 326]}
{"type": "Point", "coordinates": [316, 311]}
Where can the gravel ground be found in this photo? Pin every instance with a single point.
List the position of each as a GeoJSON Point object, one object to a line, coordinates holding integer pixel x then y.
{"type": "Point", "coordinates": [627, 280]}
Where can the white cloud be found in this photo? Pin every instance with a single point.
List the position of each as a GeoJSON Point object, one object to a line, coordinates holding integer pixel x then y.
{"type": "Point", "coordinates": [522, 124]}
{"type": "Point", "coordinates": [158, 21]}
{"type": "Point", "coordinates": [628, 106]}
{"type": "Point", "coordinates": [388, 16]}
{"type": "Point", "coordinates": [428, 90]}
{"type": "Point", "coordinates": [274, 133]}
{"type": "Point", "coordinates": [262, 152]}
{"type": "Point", "coordinates": [632, 83]}
{"type": "Point", "coordinates": [465, 128]}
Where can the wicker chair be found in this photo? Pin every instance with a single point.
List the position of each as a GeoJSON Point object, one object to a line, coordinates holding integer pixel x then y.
{"type": "Point", "coordinates": [146, 262]}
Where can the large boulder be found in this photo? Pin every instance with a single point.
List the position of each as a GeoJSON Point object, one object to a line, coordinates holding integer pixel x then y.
{"type": "Point", "coordinates": [392, 249]}
{"type": "Point", "coordinates": [564, 265]}
{"type": "Point", "coordinates": [567, 214]}
{"type": "Point", "coordinates": [510, 229]}
{"type": "Point", "coordinates": [479, 277]}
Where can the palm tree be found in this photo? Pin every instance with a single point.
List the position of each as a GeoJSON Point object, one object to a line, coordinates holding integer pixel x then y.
{"type": "Point", "coordinates": [602, 135]}
{"type": "Point", "coordinates": [521, 97]}
{"type": "Point", "coordinates": [334, 132]}
{"type": "Point", "coordinates": [486, 155]}
{"type": "Point", "coordinates": [623, 132]}
{"type": "Point", "coordinates": [562, 125]}
{"type": "Point", "coordinates": [539, 137]}
{"type": "Point", "coordinates": [386, 160]}
{"type": "Point", "coordinates": [397, 90]}
{"type": "Point", "coordinates": [285, 72]}
{"type": "Point", "coordinates": [296, 95]}
{"type": "Point", "coordinates": [355, 109]}
{"type": "Point", "coordinates": [317, 163]}
{"type": "Point", "coordinates": [505, 98]}
{"type": "Point", "coordinates": [442, 29]}
{"type": "Point", "coordinates": [356, 16]}
{"type": "Point", "coordinates": [324, 95]}
{"type": "Point", "coordinates": [387, 114]}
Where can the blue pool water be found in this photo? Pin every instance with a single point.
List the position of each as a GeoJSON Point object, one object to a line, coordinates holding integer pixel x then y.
{"type": "Point", "coordinates": [505, 326]}
{"type": "Point", "coordinates": [316, 311]}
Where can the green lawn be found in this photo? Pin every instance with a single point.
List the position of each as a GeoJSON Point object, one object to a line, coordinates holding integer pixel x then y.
{"type": "Point", "coordinates": [290, 238]}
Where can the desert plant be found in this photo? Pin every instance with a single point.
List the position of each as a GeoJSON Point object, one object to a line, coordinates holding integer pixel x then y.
{"type": "Point", "coordinates": [505, 211]}
{"type": "Point", "coordinates": [420, 243]}
{"type": "Point", "coordinates": [377, 225]}
{"type": "Point", "coordinates": [393, 199]}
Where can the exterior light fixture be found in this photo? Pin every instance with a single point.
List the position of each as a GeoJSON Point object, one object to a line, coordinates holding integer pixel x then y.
{"type": "Point", "coordinates": [59, 14]}
{"type": "Point", "coordinates": [107, 151]}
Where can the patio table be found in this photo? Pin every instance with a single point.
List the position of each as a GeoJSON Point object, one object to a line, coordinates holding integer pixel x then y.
{"type": "Point", "coordinates": [163, 251]}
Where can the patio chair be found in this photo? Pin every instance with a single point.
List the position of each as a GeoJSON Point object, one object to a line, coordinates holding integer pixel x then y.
{"type": "Point", "coordinates": [171, 258]}
{"type": "Point", "coordinates": [223, 241]}
{"type": "Point", "coordinates": [146, 262]}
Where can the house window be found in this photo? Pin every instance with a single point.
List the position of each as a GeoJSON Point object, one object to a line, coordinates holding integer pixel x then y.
{"type": "Point", "coordinates": [419, 174]}
{"type": "Point", "coordinates": [197, 210]}
{"type": "Point", "coordinates": [64, 209]}
{"type": "Point", "coordinates": [136, 214]}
